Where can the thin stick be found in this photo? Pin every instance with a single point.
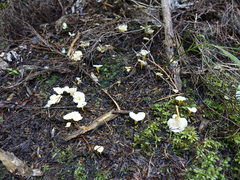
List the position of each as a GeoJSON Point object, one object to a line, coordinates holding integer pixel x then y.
{"type": "Point", "coordinates": [72, 44]}
{"type": "Point", "coordinates": [115, 102]}
{"type": "Point", "coordinates": [95, 124]}
{"type": "Point", "coordinates": [170, 44]}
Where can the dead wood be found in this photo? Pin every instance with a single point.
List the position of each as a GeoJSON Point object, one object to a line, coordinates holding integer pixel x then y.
{"type": "Point", "coordinates": [95, 124]}
{"type": "Point", "coordinates": [17, 166]}
{"type": "Point", "coordinates": [170, 43]}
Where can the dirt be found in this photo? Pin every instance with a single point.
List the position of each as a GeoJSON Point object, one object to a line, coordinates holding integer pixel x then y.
{"type": "Point", "coordinates": [35, 134]}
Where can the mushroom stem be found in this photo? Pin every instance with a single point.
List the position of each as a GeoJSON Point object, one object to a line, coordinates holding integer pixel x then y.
{"type": "Point", "coordinates": [178, 115]}
{"type": "Point", "coordinates": [97, 68]}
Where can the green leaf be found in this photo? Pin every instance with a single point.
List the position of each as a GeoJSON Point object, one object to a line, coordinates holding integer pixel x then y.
{"type": "Point", "coordinates": [228, 54]}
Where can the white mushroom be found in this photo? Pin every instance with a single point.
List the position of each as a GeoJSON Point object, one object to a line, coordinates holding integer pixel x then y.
{"type": "Point", "coordinates": [64, 26]}
{"type": "Point", "coordinates": [143, 53]}
{"type": "Point", "coordinates": [68, 124]}
{"type": "Point", "coordinates": [97, 66]}
{"type": "Point", "coordinates": [58, 90]}
{"type": "Point", "coordinates": [71, 91]}
{"type": "Point", "coordinates": [81, 104]}
{"type": "Point", "coordinates": [137, 116]}
{"type": "Point", "coordinates": [177, 124]}
{"type": "Point", "coordinates": [99, 149]}
{"type": "Point", "coordinates": [142, 63]}
{"type": "Point", "coordinates": [192, 109]}
{"type": "Point", "coordinates": [180, 98]}
{"type": "Point", "coordinates": [75, 115]}
{"type": "Point", "coordinates": [122, 27]}
{"type": "Point", "coordinates": [53, 99]}
{"type": "Point", "coordinates": [128, 68]}
{"type": "Point", "coordinates": [78, 97]}
{"type": "Point", "coordinates": [77, 56]}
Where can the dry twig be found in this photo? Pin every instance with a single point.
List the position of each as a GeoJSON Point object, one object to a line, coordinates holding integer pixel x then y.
{"type": "Point", "coordinates": [95, 124]}
{"type": "Point", "coordinates": [72, 44]}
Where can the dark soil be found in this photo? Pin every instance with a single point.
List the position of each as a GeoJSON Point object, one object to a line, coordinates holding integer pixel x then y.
{"type": "Point", "coordinates": [35, 134]}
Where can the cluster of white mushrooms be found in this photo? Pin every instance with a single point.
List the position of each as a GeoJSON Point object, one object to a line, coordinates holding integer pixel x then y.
{"type": "Point", "coordinates": [78, 98]}
{"type": "Point", "coordinates": [176, 123]}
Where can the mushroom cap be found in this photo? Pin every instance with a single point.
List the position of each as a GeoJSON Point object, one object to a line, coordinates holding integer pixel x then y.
{"type": "Point", "coordinates": [71, 91]}
{"type": "Point", "coordinates": [77, 55]}
{"type": "Point", "coordinates": [59, 90]}
{"type": "Point", "coordinates": [53, 99]}
{"type": "Point", "coordinates": [122, 27]}
{"type": "Point", "coordinates": [98, 148]}
{"type": "Point", "coordinates": [144, 63]}
{"type": "Point", "coordinates": [81, 104]}
{"type": "Point", "coordinates": [97, 65]}
{"type": "Point", "coordinates": [177, 124]}
{"type": "Point", "coordinates": [68, 124]}
{"type": "Point", "coordinates": [137, 116]}
{"type": "Point", "coordinates": [78, 97]}
{"type": "Point", "coordinates": [192, 109]}
{"type": "Point", "coordinates": [75, 115]}
{"type": "Point", "coordinates": [180, 98]}
{"type": "Point", "coordinates": [144, 52]}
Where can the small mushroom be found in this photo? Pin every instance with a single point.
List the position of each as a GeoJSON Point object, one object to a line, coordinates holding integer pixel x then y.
{"type": "Point", "coordinates": [176, 123]}
{"type": "Point", "coordinates": [192, 109]}
{"type": "Point", "coordinates": [99, 149]}
{"type": "Point", "coordinates": [128, 68]}
{"type": "Point", "coordinates": [68, 124]}
{"type": "Point", "coordinates": [78, 97]}
{"type": "Point", "coordinates": [77, 55]}
{"type": "Point", "coordinates": [59, 90]}
{"type": "Point", "coordinates": [64, 26]}
{"type": "Point", "coordinates": [97, 67]}
{"type": "Point", "coordinates": [142, 63]}
{"type": "Point", "coordinates": [122, 27]}
{"type": "Point", "coordinates": [180, 99]}
{"type": "Point", "coordinates": [75, 116]}
{"type": "Point", "coordinates": [53, 99]}
{"type": "Point", "coordinates": [78, 80]}
{"type": "Point", "coordinates": [81, 104]}
{"type": "Point", "coordinates": [137, 116]}
{"type": "Point", "coordinates": [143, 53]}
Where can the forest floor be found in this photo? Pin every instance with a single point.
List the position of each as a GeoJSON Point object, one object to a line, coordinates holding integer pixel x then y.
{"type": "Point", "coordinates": [36, 42]}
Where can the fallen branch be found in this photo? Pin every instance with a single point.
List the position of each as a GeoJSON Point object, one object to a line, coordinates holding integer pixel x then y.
{"type": "Point", "coordinates": [17, 166]}
{"type": "Point", "coordinates": [170, 44]}
{"type": "Point", "coordinates": [95, 124]}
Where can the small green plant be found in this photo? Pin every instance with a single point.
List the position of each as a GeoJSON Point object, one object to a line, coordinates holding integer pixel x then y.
{"type": "Point", "coordinates": [53, 79]}
{"type": "Point", "coordinates": [80, 172]}
{"type": "Point", "coordinates": [208, 163]}
{"type": "Point", "coordinates": [46, 168]}
{"type": "Point", "coordinates": [156, 131]}
{"type": "Point", "coordinates": [185, 139]}
{"type": "Point", "coordinates": [63, 156]}
{"type": "Point", "coordinates": [12, 71]}
{"type": "Point", "coordinates": [101, 175]}
{"type": "Point", "coordinates": [149, 137]}
{"type": "Point", "coordinates": [3, 5]}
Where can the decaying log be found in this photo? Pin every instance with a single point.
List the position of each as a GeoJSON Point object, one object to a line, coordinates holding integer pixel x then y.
{"type": "Point", "coordinates": [17, 166]}
{"type": "Point", "coordinates": [170, 43]}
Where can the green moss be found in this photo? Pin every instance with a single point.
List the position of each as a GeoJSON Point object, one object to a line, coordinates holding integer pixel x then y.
{"type": "Point", "coordinates": [208, 163]}
{"type": "Point", "coordinates": [185, 139]}
{"type": "Point", "coordinates": [80, 172]}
